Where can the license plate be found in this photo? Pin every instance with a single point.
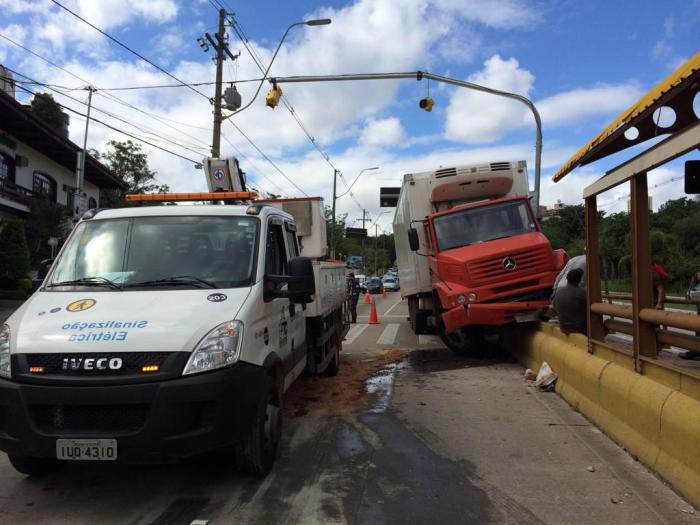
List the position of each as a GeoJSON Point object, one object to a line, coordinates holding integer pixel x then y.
{"type": "Point", "coordinates": [86, 449]}
{"type": "Point", "coordinates": [526, 317]}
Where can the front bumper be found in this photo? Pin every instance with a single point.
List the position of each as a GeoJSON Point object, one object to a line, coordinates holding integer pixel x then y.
{"type": "Point", "coordinates": [150, 421]}
{"type": "Point", "coordinates": [487, 313]}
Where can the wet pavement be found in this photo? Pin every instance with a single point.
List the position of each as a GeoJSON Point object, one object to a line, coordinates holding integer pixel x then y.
{"type": "Point", "coordinates": [406, 433]}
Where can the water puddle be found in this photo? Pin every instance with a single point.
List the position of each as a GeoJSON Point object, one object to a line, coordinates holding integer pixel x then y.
{"type": "Point", "coordinates": [381, 386]}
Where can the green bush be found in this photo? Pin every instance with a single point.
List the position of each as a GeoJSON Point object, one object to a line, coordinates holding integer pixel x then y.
{"type": "Point", "coordinates": [14, 254]}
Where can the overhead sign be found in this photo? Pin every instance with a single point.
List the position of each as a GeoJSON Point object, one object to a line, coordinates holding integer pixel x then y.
{"type": "Point", "coordinates": [389, 197]}
{"type": "Point", "coordinates": [355, 233]}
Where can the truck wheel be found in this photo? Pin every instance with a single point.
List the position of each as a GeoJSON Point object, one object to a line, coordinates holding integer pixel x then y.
{"type": "Point", "coordinates": [256, 454]}
{"type": "Point", "coordinates": [334, 365]}
{"type": "Point", "coordinates": [32, 466]}
{"type": "Point", "coordinates": [467, 341]}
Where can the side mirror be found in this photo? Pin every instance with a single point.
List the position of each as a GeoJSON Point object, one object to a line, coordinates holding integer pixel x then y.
{"type": "Point", "coordinates": [44, 267]}
{"type": "Point", "coordinates": [413, 241]}
{"type": "Point", "coordinates": [301, 284]}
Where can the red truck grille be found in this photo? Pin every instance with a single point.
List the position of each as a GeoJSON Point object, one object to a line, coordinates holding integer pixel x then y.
{"type": "Point", "coordinates": [527, 262]}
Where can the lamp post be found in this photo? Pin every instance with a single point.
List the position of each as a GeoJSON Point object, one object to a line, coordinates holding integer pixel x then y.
{"type": "Point", "coordinates": [376, 238]}
{"type": "Point", "coordinates": [315, 22]}
{"type": "Point", "coordinates": [336, 197]}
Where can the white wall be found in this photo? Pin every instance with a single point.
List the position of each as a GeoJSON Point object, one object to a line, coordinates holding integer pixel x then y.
{"type": "Point", "coordinates": [24, 175]}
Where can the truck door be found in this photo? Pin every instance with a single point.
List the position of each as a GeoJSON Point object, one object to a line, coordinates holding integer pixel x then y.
{"type": "Point", "coordinates": [277, 310]}
{"type": "Point", "coordinates": [297, 321]}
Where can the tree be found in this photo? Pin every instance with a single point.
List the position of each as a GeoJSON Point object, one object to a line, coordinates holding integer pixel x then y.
{"type": "Point", "coordinates": [128, 161]}
{"type": "Point", "coordinates": [47, 219]}
{"type": "Point", "coordinates": [566, 229]}
{"type": "Point", "coordinates": [14, 255]}
{"type": "Point", "coordinates": [47, 109]}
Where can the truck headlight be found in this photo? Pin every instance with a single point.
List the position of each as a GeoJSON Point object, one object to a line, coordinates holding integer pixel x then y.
{"type": "Point", "coordinates": [5, 370]}
{"type": "Point", "coordinates": [220, 347]}
{"type": "Point", "coordinates": [472, 296]}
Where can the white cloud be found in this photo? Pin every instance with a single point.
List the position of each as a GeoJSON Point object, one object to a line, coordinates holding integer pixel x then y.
{"type": "Point", "coordinates": [474, 117]}
{"type": "Point", "coordinates": [494, 13]}
{"type": "Point", "coordinates": [572, 106]}
{"type": "Point", "coordinates": [383, 132]}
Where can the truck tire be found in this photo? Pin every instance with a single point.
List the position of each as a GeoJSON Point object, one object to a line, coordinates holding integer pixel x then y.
{"type": "Point", "coordinates": [332, 368]}
{"type": "Point", "coordinates": [468, 341]}
{"type": "Point", "coordinates": [256, 454]}
{"type": "Point", "coordinates": [32, 466]}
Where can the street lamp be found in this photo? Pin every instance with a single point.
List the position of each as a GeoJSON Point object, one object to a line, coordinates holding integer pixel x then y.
{"type": "Point", "coordinates": [336, 197]}
{"type": "Point", "coordinates": [315, 22]}
{"type": "Point", "coordinates": [376, 238]}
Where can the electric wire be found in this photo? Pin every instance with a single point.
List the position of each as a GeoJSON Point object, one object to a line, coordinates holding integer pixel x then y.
{"type": "Point", "coordinates": [154, 135]}
{"type": "Point", "coordinates": [93, 119]}
{"type": "Point", "coordinates": [116, 41]}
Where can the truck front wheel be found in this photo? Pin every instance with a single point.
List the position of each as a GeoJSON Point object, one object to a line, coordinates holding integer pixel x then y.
{"type": "Point", "coordinates": [256, 454]}
{"type": "Point", "coordinates": [32, 466]}
{"type": "Point", "coordinates": [467, 341]}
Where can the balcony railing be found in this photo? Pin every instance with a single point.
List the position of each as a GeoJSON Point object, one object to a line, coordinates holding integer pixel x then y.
{"type": "Point", "coordinates": [14, 191]}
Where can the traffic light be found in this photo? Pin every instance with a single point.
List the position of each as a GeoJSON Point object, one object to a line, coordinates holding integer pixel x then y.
{"type": "Point", "coordinates": [273, 96]}
{"type": "Point", "coordinates": [426, 104]}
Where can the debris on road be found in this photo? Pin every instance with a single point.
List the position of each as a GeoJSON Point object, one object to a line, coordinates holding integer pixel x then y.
{"type": "Point", "coordinates": [545, 378]}
{"type": "Point", "coordinates": [529, 375]}
{"type": "Point", "coordinates": [340, 394]}
{"type": "Point", "coordinates": [590, 468]}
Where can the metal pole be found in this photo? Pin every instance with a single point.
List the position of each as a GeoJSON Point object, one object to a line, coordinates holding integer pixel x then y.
{"type": "Point", "coordinates": [376, 246]}
{"type": "Point", "coordinates": [335, 176]}
{"type": "Point", "coordinates": [81, 173]}
{"type": "Point", "coordinates": [216, 139]}
{"type": "Point", "coordinates": [419, 75]}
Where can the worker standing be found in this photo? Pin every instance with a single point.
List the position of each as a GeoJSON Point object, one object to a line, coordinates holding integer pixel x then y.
{"type": "Point", "coordinates": [353, 296]}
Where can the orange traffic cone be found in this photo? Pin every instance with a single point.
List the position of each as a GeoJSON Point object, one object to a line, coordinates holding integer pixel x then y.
{"type": "Point", "coordinates": [367, 299]}
{"type": "Point", "coordinates": [383, 293]}
{"type": "Point", "coordinates": [373, 313]}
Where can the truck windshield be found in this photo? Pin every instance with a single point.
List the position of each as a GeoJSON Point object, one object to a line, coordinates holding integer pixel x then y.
{"type": "Point", "coordinates": [152, 252]}
{"type": "Point", "coordinates": [482, 224]}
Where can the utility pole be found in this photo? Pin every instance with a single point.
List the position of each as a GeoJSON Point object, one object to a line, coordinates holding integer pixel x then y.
{"type": "Point", "coordinates": [80, 168]}
{"type": "Point", "coordinates": [335, 177]}
{"type": "Point", "coordinates": [216, 139]}
{"type": "Point", "coordinates": [218, 43]}
{"type": "Point", "coordinates": [376, 245]}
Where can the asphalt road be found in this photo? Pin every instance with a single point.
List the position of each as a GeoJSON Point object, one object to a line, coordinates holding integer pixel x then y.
{"type": "Point", "coordinates": [407, 433]}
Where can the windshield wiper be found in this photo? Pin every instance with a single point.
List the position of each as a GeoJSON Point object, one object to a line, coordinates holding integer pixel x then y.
{"type": "Point", "coordinates": [176, 280]}
{"type": "Point", "coordinates": [87, 281]}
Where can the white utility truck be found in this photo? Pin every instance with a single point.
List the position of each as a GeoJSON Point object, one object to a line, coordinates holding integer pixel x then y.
{"type": "Point", "coordinates": [163, 332]}
{"type": "Point", "coordinates": [470, 251]}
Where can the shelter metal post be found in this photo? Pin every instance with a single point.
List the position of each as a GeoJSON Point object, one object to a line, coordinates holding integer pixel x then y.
{"type": "Point", "coordinates": [644, 333]}
{"type": "Point", "coordinates": [596, 330]}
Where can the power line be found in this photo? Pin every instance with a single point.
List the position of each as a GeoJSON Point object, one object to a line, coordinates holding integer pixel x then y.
{"type": "Point", "coordinates": [140, 139]}
{"type": "Point", "coordinates": [267, 158]}
{"type": "Point", "coordinates": [257, 59]}
{"type": "Point", "coordinates": [249, 161]}
{"type": "Point", "coordinates": [116, 41]}
{"type": "Point", "coordinates": [116, 117]}
{"type": "Point", "coordinates": [114, 98]}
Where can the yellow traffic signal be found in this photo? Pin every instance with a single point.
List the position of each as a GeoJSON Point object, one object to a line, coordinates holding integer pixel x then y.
{"type": "Point", "coordinates": [273, 96]}
{"type": "Point", "coordinates": [426, 104]}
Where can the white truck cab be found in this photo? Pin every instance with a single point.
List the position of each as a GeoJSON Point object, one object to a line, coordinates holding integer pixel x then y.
{"type": "Point", "coordinates": [164, 332]}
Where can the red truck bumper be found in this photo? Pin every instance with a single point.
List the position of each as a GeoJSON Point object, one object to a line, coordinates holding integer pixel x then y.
{"type": "Point", "coordinates": [489, 313]}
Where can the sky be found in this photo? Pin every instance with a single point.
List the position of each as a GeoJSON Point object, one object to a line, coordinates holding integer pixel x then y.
{"type": "Point", "coordinates": [582, 63]}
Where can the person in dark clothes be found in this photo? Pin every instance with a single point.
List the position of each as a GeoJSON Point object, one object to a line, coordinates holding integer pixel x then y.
{"type": "Point", "coordinates": [353, 296]}
{"type": "Point", "coordinates": [570, 304]}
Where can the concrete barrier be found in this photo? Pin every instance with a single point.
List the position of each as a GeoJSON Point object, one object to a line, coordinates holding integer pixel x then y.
{"type": "Point", "coordinates": [658, 424]}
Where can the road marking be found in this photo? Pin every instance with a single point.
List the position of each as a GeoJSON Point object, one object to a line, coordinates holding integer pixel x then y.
{"type": "Point", "coordinates": [388, 335]}
{"type": "Point", "coordinates": [354, 333]}
{"type": "Point", "coordinates": [393, 306]}
{"type": "Point", "coordinates": [429, 340]}
{"type": "Point", "coordinates": [382, 316]}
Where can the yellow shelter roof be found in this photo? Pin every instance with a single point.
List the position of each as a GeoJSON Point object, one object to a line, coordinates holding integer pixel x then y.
{"type": "Point", "coordinates": [676, 91]}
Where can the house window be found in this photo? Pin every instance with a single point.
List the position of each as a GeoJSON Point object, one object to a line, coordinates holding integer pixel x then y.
{"type": "Point", "coordinates": [44, 186]}
{"type": "Point", "coordinates": [7, 168]}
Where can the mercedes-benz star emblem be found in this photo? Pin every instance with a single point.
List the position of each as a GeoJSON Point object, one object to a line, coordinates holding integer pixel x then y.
{"type": "Point", "coordinates": [509, 264]}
